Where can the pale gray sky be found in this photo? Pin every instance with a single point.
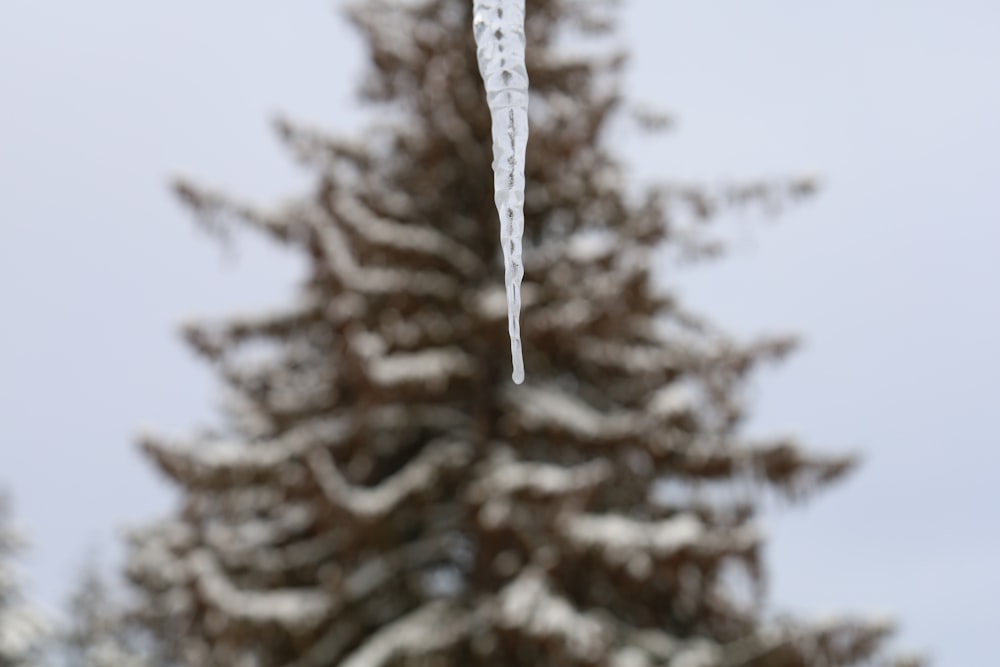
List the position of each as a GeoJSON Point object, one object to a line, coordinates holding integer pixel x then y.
{"type": "Point", "coordinates": [890, 275]}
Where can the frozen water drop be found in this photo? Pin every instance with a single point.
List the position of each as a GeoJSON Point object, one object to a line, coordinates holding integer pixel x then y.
{"type": "Point", "coordinates": [498, 26]}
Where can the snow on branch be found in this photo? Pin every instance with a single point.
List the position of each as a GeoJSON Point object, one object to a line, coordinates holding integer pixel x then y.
{"type": "Point", "coordinates": [433, 627]}
{"type": "Point", "coordinates": [557, 261]}
{"type": "Point", "coordinates": [237, 463]}
{"type": "Point", "coordinates": [490, 303]}
{"type": "Point", "coordinates": [212, 339]}
{"type": "Point", "coordinates": [330, 645]}
{"type": "Point", "coordinates": [299, 219]}
{"type": "Point", "coordinates": [425, 367]}
{"type": "Point", "coordinates": [281, 389]}
{"type": "Point", "coordinates": [379, 280]}
{"type": "Point", "coordinates": [666, 357]}
{"type": "Point", "coordinates": [294, 609]}
{"type": "Point", "coordinates": [412, 238]}
{"type": "Point", "coordinates": [574, 305]}
{"type": "Point", "coordinates": [620, 539]}
{"type": "Point", "coordinates": [370, 504]}
{"type": "Point", "coordinates": [571, 316]}
{"type": "Point", "coordinates": [646, 647]}
{"type": "Point", "coordinates": [506, 476]}
{"type": "Point", "coordinates": [423, 329]}
{"type": "Point", "coordinates": [365, 581]}
{"type": "Point", "coordinates": [402, 417]}
{"type": "Point", "coordinates": [632, 359]}
{"type": "Point", "coordinates": [270, 560]}
{"type": "Point", "coordinates": [157, 552]}
{"type": "Point", "coordinates": [782, 463]}
{"type": "Point", "coordinates": [429, 366]}
{"type": "Point", "coordinates": [242, 530]}
{"type": "Point", "coordinates": [548, 408]}
{"type": "Point", "coordinates": [699, 652]}
{"type": "Point", "coordinates": [368, 578]}
{"type": "Point", "coordinates": [592, 245]}
{"type": "Point", "coordinates": [551, 410]}
{"type": "Point", "coordinates": [23, 629]}
{"type": "Point", "coordinates": [530, 607]}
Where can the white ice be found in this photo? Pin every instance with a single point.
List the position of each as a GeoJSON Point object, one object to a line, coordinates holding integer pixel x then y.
{"type": "Point", "coordinates": [498, 26]}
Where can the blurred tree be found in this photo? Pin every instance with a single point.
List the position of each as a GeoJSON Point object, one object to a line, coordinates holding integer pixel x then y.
{"type": "Point", "coordinates": [99, 632]}
{"type": "Point", "coordinates": [381, 494]}
{"type": "Point", "coordinates": [23, 631]}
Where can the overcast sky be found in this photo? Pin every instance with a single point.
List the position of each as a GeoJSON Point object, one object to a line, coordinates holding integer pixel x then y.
{"type": "Point", "coordinates": [891, 275]}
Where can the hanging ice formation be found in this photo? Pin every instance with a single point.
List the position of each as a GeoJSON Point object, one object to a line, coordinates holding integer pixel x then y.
{"type": "Point", "coordinates": [498, 26]}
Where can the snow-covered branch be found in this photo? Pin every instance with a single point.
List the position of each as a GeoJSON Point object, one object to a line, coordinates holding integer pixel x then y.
{"type": "Point", "coordinates": [370, 504]}
{"type": "Point", "coordinates": [529, 606]}
{"type": "Point", "coordinates": [213, 339]}
{"type": "Point", "coordinates": [506, 476]}
{"type": "Point", "coordinates": [409, 239]}
{"type": "Point", "coordinates": [432, 627]}
{"type": "Point", "coordinates": [203, 465]}
{"type": "Point", "coordinates": [380, 280]}
{"type": "Point", "coordinates": [434, 366]}
{"type": "Point", "coordinates": [620, 539]}
{"type": "Point", "coordinates": [295, 609]}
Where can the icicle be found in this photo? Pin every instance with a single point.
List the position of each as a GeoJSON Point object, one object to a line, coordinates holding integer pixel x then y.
{"type": "Point", "coordinates": [498, 26]}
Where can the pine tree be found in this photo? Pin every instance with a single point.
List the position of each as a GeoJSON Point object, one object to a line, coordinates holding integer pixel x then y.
{"type": "Point", "coordinates": [99, 632]}
{"type": "Point", "coordinates": [382, 494]}
{"type": "Point", "coordinates": [23, 631]}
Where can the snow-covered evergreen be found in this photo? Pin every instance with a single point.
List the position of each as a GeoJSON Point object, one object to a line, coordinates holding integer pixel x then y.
{"type": "Point", "coordinates": [98, 632]}
{"type": "Point", "coordinates": [23, 629]}
{"type": "Point", "coordinates": [379, 494]}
